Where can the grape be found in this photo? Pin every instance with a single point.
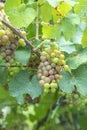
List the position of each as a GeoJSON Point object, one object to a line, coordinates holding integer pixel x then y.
{"type": "Point", "coordinates": [22, 42]}
{"type": "Point", "coordinates": [43, 68]}
{"type": "Point", "coordinates": [13, 46]}
{"type": "Point", "coordinates": [47, 85]}
{"type": "Point", "coordinates": [9, 33]}
{"type": "Point", "coordinates": [48, 67]}
{"type": "Point", "coordinates": [53, 65]}
{"type": "Point", "coordinates": [62, 57]}
{"type": "Point", "coordinates": [58, 68]}
{"type": "Point", "coordinates": [43, 77]}
{"type": "Point", "coordinates": [2, 32]}
{"type": "Point", "coordinates": [46, 63]}
{"type": "Point", "coordinates": [45, 73]}
{"type": "Point", "coordinates": [8, 52]}
{"type": "Point", "coordinates": [57, 76]}
{"type": "Point", "coordinates": [43, 58]}
{"type": "Point", "coordinates": [23, 33]}
{"type": "Point", "coordinates": [53, 55]}
{"type": "Point", "coordinates": [5, 39]}
{"type": "Point", "coordinates": [47, 80]}
{"type": "Point", "coordinates": [66, 67]}
{"type": "Point", "coordinates": [53, 90]}
{"type": "Point", "coordinates": [41, 83]}
{"type": "Point", "coordinates": [53, 85]}
{"type": "Point", "coordinates": [39, 75]}
{"type": "Point", "coordinates": [41, 64]}
{"type": "Point", "coordinates": [51, 72]}
{"type": "Point", "coordinates": [46, 90]}
{"type": "Point", "coordinates": [8, 58]}
{"type": "Point", "coordinates": [44, 53]}
{"type": "Point", "coordinates": [52, 77]}
{"type": "Point", "coordinates": [55, 60]}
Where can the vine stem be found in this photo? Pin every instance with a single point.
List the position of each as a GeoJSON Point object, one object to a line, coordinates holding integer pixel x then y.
{"type": "Point", "coordinates": [17, 32]}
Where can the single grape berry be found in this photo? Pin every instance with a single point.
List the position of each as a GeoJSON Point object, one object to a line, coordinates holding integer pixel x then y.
{"type": "Point", "coordinates": [22, 42]}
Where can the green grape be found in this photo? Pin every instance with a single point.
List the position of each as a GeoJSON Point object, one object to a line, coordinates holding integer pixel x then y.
{"type": "Point", "coordinates": [66, 67]}
{"type": "Point", "coordinates": [23, 33]}
{"type": "Point", "coordinates": [41, 83]}
{"type": "Point", "coordinates": [46, 85]}
{"type": "Point", "coordinates": [53, 85]}
{"type": "Point", "coordinates": [62, 57]}
{"type": "Point", "coordinates": [46, 90]}
{"type": "Point", "coordinates": [53, 90]}
{"type": "Point", "coordinates": [2, 32]}
{"type": "Point", "coordinates": [55, 60]}
{"type": "Point", "coordinates": [22, 42]}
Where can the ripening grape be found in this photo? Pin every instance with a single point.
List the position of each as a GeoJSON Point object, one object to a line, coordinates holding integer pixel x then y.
{"type": "Point", "coordinates": [66, 67]}
{"type": "Point", "coordinates": [23, 33]}
{"type": "Point", "coordinates": [41, 83]}
{"type": "Point", "coordinates": [2, 32]}
{"type": "Point", "coordinates": [5, 39]}
{"type": "Point", "coordinates": [22, 42]}
{"type": "Point", "coordinates": [50, 67]}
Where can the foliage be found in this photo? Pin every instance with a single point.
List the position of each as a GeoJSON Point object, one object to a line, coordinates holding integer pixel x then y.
{"type": "Point", "coordinates": [23, 103]}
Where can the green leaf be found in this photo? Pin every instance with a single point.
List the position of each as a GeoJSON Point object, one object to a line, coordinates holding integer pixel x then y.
{"type": "Point", "coordinates": [3, 93]}
{"type": "Point", "coordinates": [22, 55]}
{"type": "Point", "coordinates": [3, 75]}
{"type": "Point", "coordinates": [46, 16]}
{"type": "Point", "coordinates": [9, 4]}
{"type": "Point", "coordinates": [20, 85]}
{"type": "Point", "coordinates": [78, 78]}
{"type": "Point", "coordinates": [66, 84]}
{"type": "Point", "coordinates": [78, 59]}
{"type": "Point", "coordinates": [81, 79]}
{"type": "Point", "coordinates": [77, 38]}
{"type": "Point", "coordinates": [66, 46]}
{"type": "Point", "coordinates": [20, 16]}
{"type": "Point", "coordinates": [35, 90]}
{"type": "Point", "coordinates": [53, 3]}
{"type": "Point", "coordinates": [71, 2]}
{"type": "Point", "coordinates": [84, 38]}
{"type": "Point", "coordinates": [51, 31]}
{"type": "Point", "coordinates": [74, 18]}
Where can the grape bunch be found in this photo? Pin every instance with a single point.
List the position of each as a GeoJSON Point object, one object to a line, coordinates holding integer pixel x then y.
{"type": "Point", "coordinates": [51, 64]}
{"type": "Point", "coordinates": [8, 40]}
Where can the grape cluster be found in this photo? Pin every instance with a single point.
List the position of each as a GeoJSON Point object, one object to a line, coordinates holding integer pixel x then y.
{"type": "Point", "coordinates": [8, 40]}
{"type": "Point", "coordinates": [50, 67]}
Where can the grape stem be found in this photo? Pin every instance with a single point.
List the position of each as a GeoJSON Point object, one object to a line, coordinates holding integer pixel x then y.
{"type": "Point", "coordinates": [17, 32]}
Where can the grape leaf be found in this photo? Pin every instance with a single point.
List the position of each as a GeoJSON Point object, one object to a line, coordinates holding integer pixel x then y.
{"type": "Point", "coordinates": [3, 93]}
{"type": "Point", "coordinates": [78, 59]}
{"type": "Point", "coordinates": [20, 16]}
{"type": "Point", "coordinates": [53, 3]}
{"type": "Point", "coordinates": [66, 46]}
{"type": "Point", "coordinates": [66, 84]}
{"type": "Point", "coordinates": [81, 79]}
{"type": "Point", "coordinates": [78, 78]}
{"type": "Point", "coordinates": [20, 85]}
{"type": "Point", "coordinates": [22, 55]}
{"type": "Point", "coordinates": [3, 75]}
{"type": "Point", "coordinates": [84, 38]}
